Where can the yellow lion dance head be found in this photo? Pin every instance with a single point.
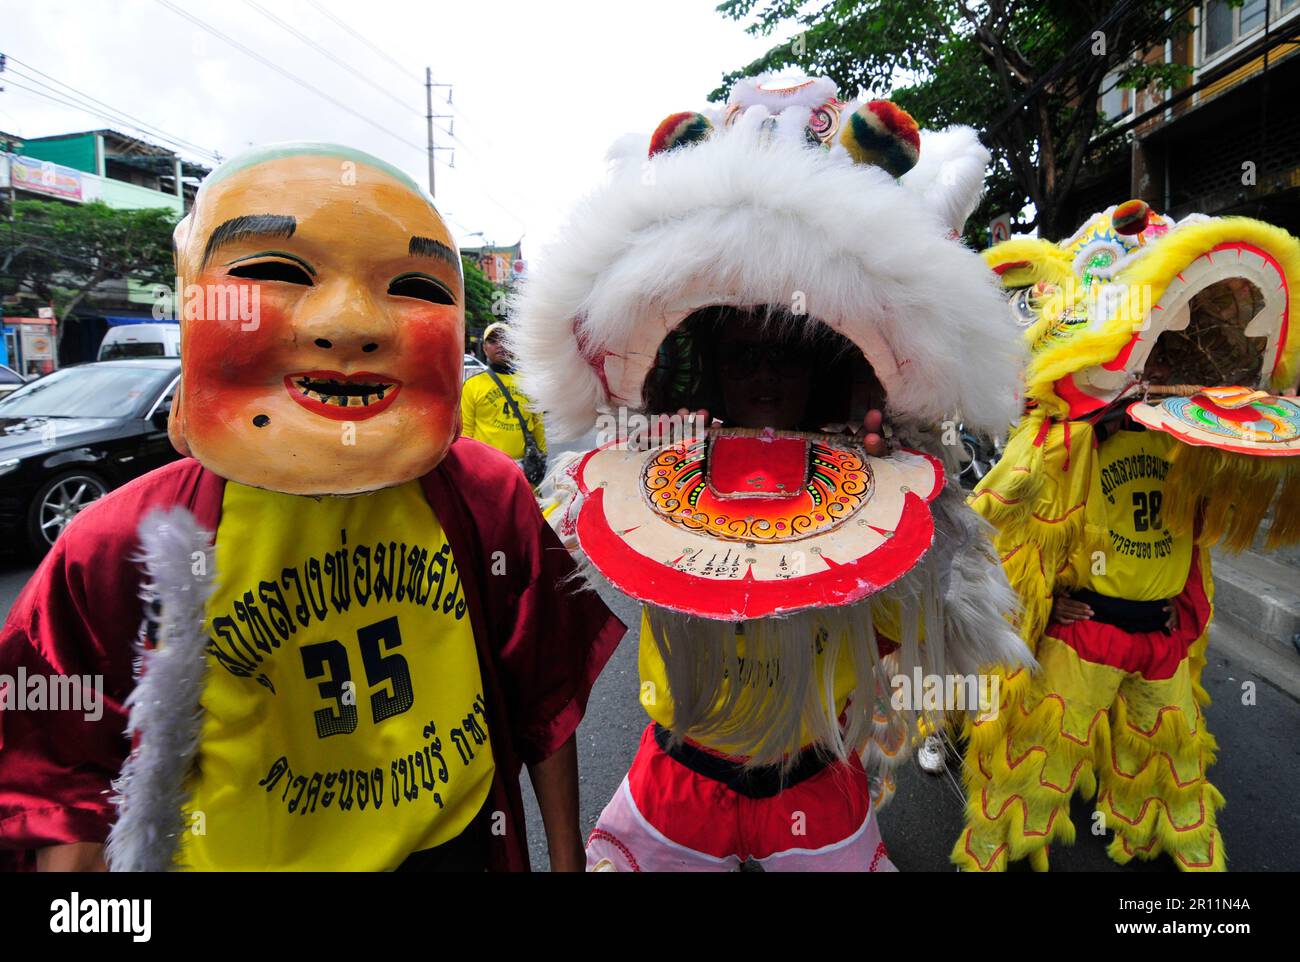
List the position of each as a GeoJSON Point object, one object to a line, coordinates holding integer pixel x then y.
{"type": "Point", "coordinates": [1134, 299]}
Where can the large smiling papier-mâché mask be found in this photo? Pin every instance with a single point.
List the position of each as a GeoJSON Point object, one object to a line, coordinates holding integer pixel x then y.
{"type": "Point", "coordinates": [322, 321]}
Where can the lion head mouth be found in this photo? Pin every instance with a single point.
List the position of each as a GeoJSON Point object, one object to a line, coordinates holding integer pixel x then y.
{"type": "Point", "coordinates": [762, 367]}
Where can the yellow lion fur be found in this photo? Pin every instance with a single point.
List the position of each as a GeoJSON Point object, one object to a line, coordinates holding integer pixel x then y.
{"type": "Point", "coordinates": [1232, 493]}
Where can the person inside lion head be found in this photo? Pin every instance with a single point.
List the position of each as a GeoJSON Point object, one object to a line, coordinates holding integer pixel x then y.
{"type": "Point", "coordinates": [763, 279]}
{"type": "Point", "coordinates": [1153, 431]}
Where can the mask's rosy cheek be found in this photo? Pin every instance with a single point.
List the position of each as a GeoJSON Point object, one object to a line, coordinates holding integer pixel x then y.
{"type": "Point", "coordinates": [432, 353]}
{"type": "Point", "coordinates": [234, 331]}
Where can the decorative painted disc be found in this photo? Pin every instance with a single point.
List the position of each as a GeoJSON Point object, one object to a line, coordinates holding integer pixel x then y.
{"type": "Point", "coordinates": [1230, 418]}
{"type": "Point", "coordinates": [748, 524]}
{"type": "Point", "coordinates": [825, 485]}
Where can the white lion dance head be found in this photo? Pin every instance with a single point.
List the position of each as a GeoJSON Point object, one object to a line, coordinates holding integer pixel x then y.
{"type": "Point", "coordinates": [788, 199]}
{"type": "Point", "coordinates": [823, 221]}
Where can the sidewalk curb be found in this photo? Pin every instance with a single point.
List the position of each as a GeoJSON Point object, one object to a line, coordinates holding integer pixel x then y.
{"type": "Point", "coordinates": [1260, 596]}
{"type": "Point", "coordinates": [1238, 646]}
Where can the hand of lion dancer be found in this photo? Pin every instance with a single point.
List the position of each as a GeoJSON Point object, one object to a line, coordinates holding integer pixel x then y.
{"type": "Point", "coordinates": [695, 423]}
{"type": "Point", "coordinates": [1067, 610]}
{"type": "Point", "coordinates": [660, 429]}
{"type": "Point", "coordinates": [72, 857]}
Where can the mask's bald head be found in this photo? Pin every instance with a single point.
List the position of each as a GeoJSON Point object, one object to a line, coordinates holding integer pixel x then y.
{"type": "Point", "coordinates": [323, 354]}
{"type": "Point", "coordinates": [279, 171]}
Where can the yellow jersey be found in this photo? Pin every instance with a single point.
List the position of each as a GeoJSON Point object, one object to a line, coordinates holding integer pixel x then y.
{"type": "Point", "coordinates": [486, 416]}
{"type": "Point", "coordinates": [343, 708]}
{"type": "Point", "coordinates": [1142, 560]}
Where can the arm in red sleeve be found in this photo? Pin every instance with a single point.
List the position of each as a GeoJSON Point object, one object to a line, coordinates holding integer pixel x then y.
{"type": "Point", "coordinates": [79, 617]}
{"type": "Point", "coordinates": [57, 760]}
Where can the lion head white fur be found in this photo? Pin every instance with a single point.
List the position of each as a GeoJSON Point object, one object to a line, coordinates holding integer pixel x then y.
{"type": "Point", "coordinates": [755, 215]}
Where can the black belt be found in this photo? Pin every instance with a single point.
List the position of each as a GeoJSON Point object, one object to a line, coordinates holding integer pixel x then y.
{"type": "Point", "coordinates": [762, 781]}
{"type": "Point", "coordinates": [1131, 616]}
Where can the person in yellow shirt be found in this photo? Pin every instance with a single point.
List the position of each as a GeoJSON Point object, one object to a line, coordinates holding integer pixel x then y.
{"type": "Point", "coordinates": [1106, 514]}
{"type": "Point", "coordinates": [495, 411]}
{"type": "Point", "coordinates": [1118, 693]}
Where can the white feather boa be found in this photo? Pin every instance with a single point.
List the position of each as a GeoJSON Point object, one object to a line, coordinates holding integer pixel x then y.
{"type": "Point", "coordinates": [165, 715]}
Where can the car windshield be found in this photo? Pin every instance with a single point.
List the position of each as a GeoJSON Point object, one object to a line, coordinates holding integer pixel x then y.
{"type": "Point", "coordinates": [123, 349]}
{"type": "Point", "coordinates": [88, 391]}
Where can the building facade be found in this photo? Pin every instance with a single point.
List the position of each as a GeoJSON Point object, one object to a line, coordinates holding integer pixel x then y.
{"type": "Point", "coordinates": [501, 265]}
{"type": "Point", "coordinates": [125, 173]}
{"type": "Point", "coordinates": [1226, 142]}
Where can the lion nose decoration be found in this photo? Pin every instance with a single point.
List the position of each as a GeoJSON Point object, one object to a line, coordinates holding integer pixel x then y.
{"type": "Point", "coordinates": [758, 468]}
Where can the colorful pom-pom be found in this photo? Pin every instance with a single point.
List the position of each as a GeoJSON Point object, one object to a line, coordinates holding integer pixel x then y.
{"type": "Point", "coordinates": [882, 134]}
{"type": "Point", "coordinates": [678, 130]}
{"type": "Point", "coordinates": [1131, 217]}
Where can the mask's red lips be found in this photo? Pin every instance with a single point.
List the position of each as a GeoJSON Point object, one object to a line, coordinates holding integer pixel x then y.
{"type": "Point", "coordinates": [343, 397]}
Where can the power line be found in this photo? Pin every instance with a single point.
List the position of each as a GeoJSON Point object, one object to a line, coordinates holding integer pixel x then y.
{"type": "Point", "coordinates": [1118, 11]}
{"type": "Point", "coordinates": [461, 114]}
{"type": "Point", "coordinates": [144, 127]}
{"type": "Point", "coordinates": [382, 53]}
{"type": "Point", "coordinates": [286, 74]}
{"type": "Point", "coordinates": [460, 111]}
{"type": "Point", "coordinates": [58, 98]}
{"type": "Point", "coordinates": [290, 28]}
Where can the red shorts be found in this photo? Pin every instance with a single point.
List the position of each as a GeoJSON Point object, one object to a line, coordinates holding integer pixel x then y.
{"type": "Point", "coordinates": [667, 816]}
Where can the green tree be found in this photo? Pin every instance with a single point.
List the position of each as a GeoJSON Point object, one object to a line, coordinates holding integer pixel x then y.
{"type": "Point", "coordinates": [62, 252]}
{"type": "Point", "coordinates": [1027, 75]}
{"type": "Point", "coordinates": [481, 296]}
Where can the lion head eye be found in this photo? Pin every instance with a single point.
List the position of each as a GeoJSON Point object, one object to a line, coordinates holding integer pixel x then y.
{"type": "Point", "coordinates": [1024, 308]}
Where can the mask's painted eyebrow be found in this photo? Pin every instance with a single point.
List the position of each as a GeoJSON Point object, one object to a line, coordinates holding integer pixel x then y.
{"type": "Point", "coordinates": [249, 225]}
{"type": "Point", "coordinates": [428, 247]}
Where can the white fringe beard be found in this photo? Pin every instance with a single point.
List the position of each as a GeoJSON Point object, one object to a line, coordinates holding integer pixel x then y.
{"type": "Point", "coordinates": [957, 596]}
{"type": "Point", "coordinates": [165, 713]}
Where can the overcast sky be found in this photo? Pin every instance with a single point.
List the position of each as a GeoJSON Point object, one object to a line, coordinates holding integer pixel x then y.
{"type": "Point", "coordinates": [541, 88]}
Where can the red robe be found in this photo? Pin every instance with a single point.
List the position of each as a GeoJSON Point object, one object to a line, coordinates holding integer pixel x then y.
{"type": "Point", "coordinates": [540, 644]}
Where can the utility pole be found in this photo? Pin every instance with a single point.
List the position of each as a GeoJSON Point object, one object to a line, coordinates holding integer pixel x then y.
{"type": "Point", "coordinates": [429, 117]}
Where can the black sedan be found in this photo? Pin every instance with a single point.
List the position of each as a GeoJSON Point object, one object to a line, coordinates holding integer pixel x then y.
{"type": "Point", "coordinates": [70, 437]}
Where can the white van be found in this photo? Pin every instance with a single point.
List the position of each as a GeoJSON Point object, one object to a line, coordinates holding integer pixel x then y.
{"type": "Point", "coordinates": [141, 340]}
